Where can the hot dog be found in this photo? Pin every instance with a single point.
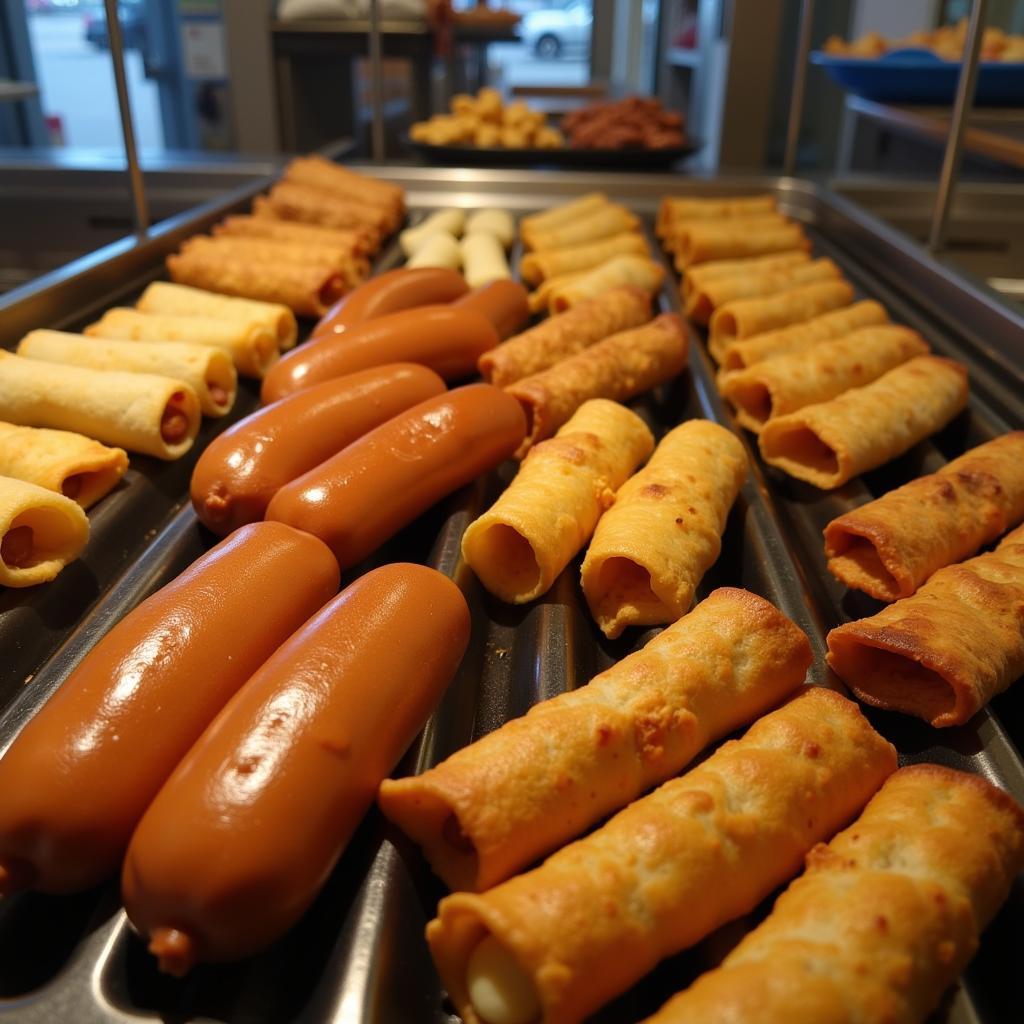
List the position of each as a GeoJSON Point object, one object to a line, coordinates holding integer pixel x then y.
{"type": "Point", "coordinates": [77, 779]}
{"type": "Point", "coordinates": [449, 341]}
{"type": "Point", "coordinates": [242, 469]}
{"type": "Point", "coordinates": [378, 484]}
{"type": "Point", "coordinates": [389, 293]}
{"type": "Point", "coordinates": [245, 832]}
{"type": "Point", "coordinates": [505, 303]}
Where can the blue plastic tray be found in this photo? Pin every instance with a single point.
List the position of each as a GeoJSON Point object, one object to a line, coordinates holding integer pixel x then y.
{"type": "Point", "coordinates": [919, 76]}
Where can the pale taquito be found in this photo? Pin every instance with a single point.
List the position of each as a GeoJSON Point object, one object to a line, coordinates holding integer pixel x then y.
{"type": "Point", "coordinates": [602, 222]}
{"type": "Point", "coordinates": [635, 271]}
{"type": "Point", "coordinates": [676, 208]}
{"type": "Point", "coordinates": [357, 240]}
{"type": "Point", "coordinates": [538, 266]}
{"type": "Point", "coordinates": [716, 270]}
{"type": "Point", "coordinates": [564, 213]}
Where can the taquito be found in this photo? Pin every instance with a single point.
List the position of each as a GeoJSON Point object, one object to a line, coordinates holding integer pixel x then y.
{"type": "Point", "coordinates": [538, 266]}
{"type": "Point", "coordinates": [545, 516]}
{"type": "Point", "coordinates": [702, 242]}
{"type": "Point", "coordinates": [179, 300]}
{"type": "Point", "coordinates": [441, 250]}
{"type": "Point", "coordinates": [716, 270]}
{"type": "Point", "coordinates": [697, 852]}
{"type": "Point", "coordinates": [40, 532]}
{"type": "Point", "coordinates": [884, 918]}
{"type": "Point", "coordinates": [618, 368]}
{"type": "Point", "coordinates": [747, 317]}
{"type": "Point", "coordinates": [635, 271]}
{"type": "Point", "coordinates": [828, 443]}
{"type": "Point", "coordinates": [77, 467]}
{"type": "Point", "coordinates": [495, 806]}
{"type": "Point", "coordinates": [608, 219]}
{"type": "Point", "coordinates": [564, 335]}
{"type": "Point", "coordinates": [890, 546]}
{"type": "Point", "coordinates": [483, 259]}
{"type": "Point", "coordinates": [760, 220]}
{"type": "Point", "coordinates": [539, 299]}
{"type": "Point", "coordinates": [564, 213]}
{"type": "Point", "coordinates": [802, 336]}
{"type": "Point", "coordinates": [318, 172]}
{"type": "Point", "coordinates": [207, 370]}
{"type": "Point", "coordinates": [138, 411]}
{"type": "Point", "coordinates": [318, 206]}
{"type": "Point", "coordinates": [664, 531]}
{"type": "Point", "coordinates": [789, 382]}
{"type": "Point", "coordinates": [673, 208]}
{"type": "Point", "coordinates": [356, 240]}
{"type": "Point", "coordinates": [947, 650]}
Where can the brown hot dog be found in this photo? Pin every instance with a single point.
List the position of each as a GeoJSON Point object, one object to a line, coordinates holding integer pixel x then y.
{"type": "Point", "coordinates": [363, 495]}
{"type": "Point", "coordinates": [448, 340]}
{"type": "Point", "coordinates": [504, 302]}
{"type": "Point", "coordinates": [244, 834]}
{"type": "Point", "coordinates": [388, 293]}
{"type": "Point", "coordinates": [243, 468]}
{"type": "Point", "coordinates": [77, 779]}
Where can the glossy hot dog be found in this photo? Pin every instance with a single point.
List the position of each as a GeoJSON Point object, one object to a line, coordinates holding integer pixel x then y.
{"type": "Point", "coordinates": [505, 303]}
{"type": "Point", "coordinates": [389, 293]}
{"type": "Point", "coordinates": [363, 495]}
{"type": "Point", "coordinates": [245, 832]}
{"type": "Point", "coordinates": [78, 778]}
{"type": "Point", "coordinates": [242, 469]}
{"type": "Point", "coordinates": [448, 340]}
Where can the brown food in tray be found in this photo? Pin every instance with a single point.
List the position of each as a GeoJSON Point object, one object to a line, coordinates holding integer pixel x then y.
{"type": "Point", "coordinates": [637, 122]}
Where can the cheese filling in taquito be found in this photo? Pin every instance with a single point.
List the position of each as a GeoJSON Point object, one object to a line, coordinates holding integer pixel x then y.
{"type": "Point", "coordinates": [137, 411]}
{"type": "Point", "coordinates": [947, 650]}
{"type": "Point", "coordinates": [663, 873]}
{"type": "Point", "coordinates": [40, 532]}
{"type": "Point", "coordinates": [890, 546]}
{"type": "Point", "coordinates": [702, 242]}
{"type": "Point", "coordinates": [790, 382]}
{"type": "Point", "coordinates": [538, 266]}
{"type": "Point", "coordinates": [635, 271]}
{"type": "Point", "coordinates": [618, 368]}
{"type": "Point", "coordinates": [355, 240]}
{"type": "Point", "coordinates": [564, 335]}
{"type": "Point", "coordinates": [77, 467]}
{"type": "Point", "coordinates": [606, 220]}
{"type": "Point", "coordinates": [664, 531]}
{"type": "Point", "coordinates": [564, 213]}
{"type": "Point", "coordinates": [520, 545]}
{"type": "Point", "coordinates": [495, 806]}
{"type": "Point", "coordinates": [885, 917]}
{"type": "Point", "coordinates": [207, 370]}
{"type": "Point", "coordinates": [168, 299]}
{"type": "Point", "coordinates": [828, 443]}
{"type": "Point", "coordinates": [676, 208]}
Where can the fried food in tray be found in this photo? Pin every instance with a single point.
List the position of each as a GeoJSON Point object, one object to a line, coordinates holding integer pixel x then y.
{"type": "Point", "coordinates": [637, 122]}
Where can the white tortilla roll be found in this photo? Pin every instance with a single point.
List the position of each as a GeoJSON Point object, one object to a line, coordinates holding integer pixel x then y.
{"type": "Point", "coordinates": [565, 213]}
{"type": "Point", "coordinates": [520, 545]}
{"type": "Point", "coordinates": [207, 370]}
{"type": "Point", "coordinates": [252, 347]}
{"type": "Point", "coordinates": [636, 271]}
{"type": "Point", "coordinates": [137, 411]}
{"type": "Point", "coordinates": [483, 260]}
{"type": "Point", "coordinates": [499, 223]}
{"type": "Point", "coordinates": [77, 467]}
{"type": "Point", "coordinates": [610, 219]}
{"type": "Point", "coordinates": [181, 300]}
{"type": "Point", "coordinates": [539, 266]}
{"type": "Point", "coordinates": [664, 531]}
{"type": "Point", "coordinates": [40, 532]}
{"type": "Point", "coordinates": [439, 250]}
{"type": "Point", "coordinates": [445, 222]}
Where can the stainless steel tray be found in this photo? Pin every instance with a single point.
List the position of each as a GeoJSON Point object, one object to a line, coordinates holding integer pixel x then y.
{"type": "Point", "coordinates": [359, 955]}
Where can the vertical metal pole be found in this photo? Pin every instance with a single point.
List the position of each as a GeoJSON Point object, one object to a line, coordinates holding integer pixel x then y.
{"type": "Point", "coordinates": [796, 103]}
{"type": "Point", "coordinates": [139, 205]}
{"type": "Point", "coordinates": [957, 127]}
{"type": "Point", "coordinates": [377, 84]}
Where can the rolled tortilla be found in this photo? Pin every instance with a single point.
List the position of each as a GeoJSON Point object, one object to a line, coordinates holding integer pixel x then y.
{"type": "Point", "coordinates": [180, 300]}
{"type": "Point", "coordinates": [635, 271]}
{"type": "Point", "coordinates": [499, 223]}
{"type": "Point", "coordinates": [728, 240]}
{"type": "Point", "coordinates": [40, 532]}
{"type": "Point", "coordinates": [802, 336]}
{"type": "Point", "coordinates": [321, 173]}
{"type": "Point", "coordinates": [946, 651]}
{"type": "Point", "coordinates": [483, 260]}
{"type": "Point", "coordinates": [519, 792]}
{"type": "Point", "coordinates": [618, 368]}
{"type": "Point", "coordinates": [664, 531]}
{"type": "Point", "coordinates": [675, 208]}
{"type": "Point", "coordinates": [609, 219]}
{"type": "Point", "coordinates": [442, 222]}
{"type": "Point", "coordinates": [564, 335]}
{"type": "Point", "coordinates": [697, 852]}
{"type": "Point", "coordinates": [538, 266]}
{"type": "Point", "coordinates": [890, 546]}
{"type": "Point", "coordinates": [77, 467]}
{"type": "Point", "coordinates": [885, 917]}
{"type": "Point", "coordinates": [540, 297]}
{"type": "Point", "coordinates": [789, 382]}
{"type": "Point", "coordinates": [829, 443]}
{"type": "Point", "coordinates": [565, 213]}
{"type": "Point", "coordinates": [313, 205]}
{"type": "Point", "coordinates": [678, 230]}
{"type": "Point", "coordinates": [520, 545]}
{"type": "Point", "coordinates": [438, 250]}
{"type": "Point", "coordinates": [138, 411]}
{"type": "Point", "coordinates": [207, 370]}
{"type": "Point", "coordinates": [357, 240]}
{"type": "Point", "coordinates": [716, 270]}
{"type": "Point", "coordinates": [747, 317]}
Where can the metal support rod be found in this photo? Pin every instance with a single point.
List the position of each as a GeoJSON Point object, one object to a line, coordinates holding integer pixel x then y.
{"type": "Point", "coordinates": [376, 84]}
{"type": "Point", "coordinates": [958, 126]}
{"type": "Point", "coordinates": [139, 206]}
{"type": "Point", "coordinates": [796, 102]}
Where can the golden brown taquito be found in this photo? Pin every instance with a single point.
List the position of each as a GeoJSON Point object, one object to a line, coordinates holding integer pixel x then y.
{"type": "Point", "coordinates": [786, 383]}
{"type": "Point", "coordinates": [716, 270]}
{"type": "Point", "coordinates": [884, 918]}
{"type": "Point", "coordinates": [602, 222]}
{"type": "Point", "coordinates": [539, 299]}
{"type": "Point", "coordinates": [757, 220]}
{"type": "Point", "coordinates": [538, 266]}
{"type": "Point", "coordinates": [497, 805]}
{"type": "Point", "coordinates": [618, 272]}
{"type": "Point", "coordinates": [318, 172]}
{"type": "Point", "coordinates": [355, 240]}
{"type": "Point", "coordinates": [891, 545]}
{"type": "Point", "coordinates": [619, 367]}
{"type": "Point", "coordinates": [315, 206]}
{"type": "Point", "coordinates": [697, 852]}
{"type": "Point", "coordinates": [676, 208]}
{"type": "Point", "coordinates": [564, 335]}
{"type": "Point", "coordinates": [947, 650]}
{"type": "Point", "coordinates": [664, 531]}
{"type": "Point", "coordinates": [828, 443]}
{"type": "Point", "coordinates": [798, 337]}
{"type": "Point", "coordinates": [727, 240]}
{"type": "Point", "coordinates": [564, 213]}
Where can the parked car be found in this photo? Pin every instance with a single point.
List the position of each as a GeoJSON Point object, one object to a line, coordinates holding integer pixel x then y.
{"type": "Point", "coordinates": [557, 31]}
{"type": "Point", "coordinates": [131, 14]}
